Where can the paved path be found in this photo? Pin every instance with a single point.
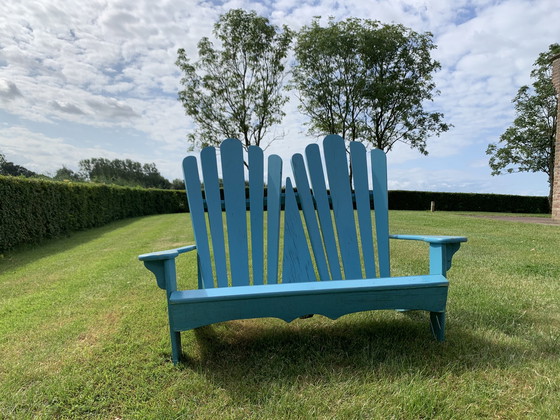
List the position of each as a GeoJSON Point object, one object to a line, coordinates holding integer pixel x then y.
{"type": "Point", "coordinates": [539, 220]}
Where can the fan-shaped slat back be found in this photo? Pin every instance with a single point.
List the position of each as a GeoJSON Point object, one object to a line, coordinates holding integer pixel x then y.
{"type": "Point", "coordinates": [256, 200]}
{"type": "Point", "coordinates": [319, 187]}
{"type": "Point", "coordinates": [236, 213]}
{"type": "Point", "coordinates": [341, 194]}
{"type": "Point", "coordinates": [381, 207]}
{"type": "Point", "coordinates": [274, 192]}
{"type": "Point", "coordinates": [334, 257]}
{"type": "Point", "coordinates": [214, 204]}
{"type": "Point", "coordinates": [358, 160]}
{"type": "Point", "coordinates": [296, 260]}
{"type": "Point", "coordinates": [306, 200]}
{"type": "Point", "coordinates": [196, 206]}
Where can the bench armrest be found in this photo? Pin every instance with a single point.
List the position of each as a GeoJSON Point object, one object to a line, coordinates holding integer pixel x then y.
{"type": "Point", "coordinates": [432, 239]}
{"type": "Point", "coordinates": [166, 255]}
{"type": "Point", "coordinates": [442, 249]}
{"type": "Point", "coordinates": [162, 264]}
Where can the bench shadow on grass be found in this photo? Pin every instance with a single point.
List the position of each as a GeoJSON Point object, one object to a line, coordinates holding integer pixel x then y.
{"type": "Point", "coordinates": [245, 357]}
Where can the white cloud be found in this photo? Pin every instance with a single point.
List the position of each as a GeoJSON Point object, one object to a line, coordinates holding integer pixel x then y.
{"type": "Point", "coordinates": [66, 107]}
{"type": "Point", "coordinates": [42, 153]}
{"type": "Point", "coordinates": [111, 109]}
{"type": "Point", "coordinates": [110, 63]}
{"type": "Point", "coordinates": [45, 154]}
{"type": "Point", "coordinates": [8, 90]}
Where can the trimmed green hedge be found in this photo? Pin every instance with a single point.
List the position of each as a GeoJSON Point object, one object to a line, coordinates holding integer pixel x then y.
{"type": "Point", "coordinates": [444, 201]}
{"type": "Point", "coordinates": [32, 210]}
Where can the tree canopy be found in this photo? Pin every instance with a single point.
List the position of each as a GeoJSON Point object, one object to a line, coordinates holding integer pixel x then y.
{"type": "Point", "coordinates": [11, 169]}
{"type": "Point", "coordinates": [104, 171]}
{"type": "Point", "coordinates": [367, 81]}
{"type": "Point", "coordinates": [528, 145]}
{"type": "Point", "coordinates": [65, 174]}
{"type": "Point", "coordinates": [123, 172]}
{"type": "Point", "coordinates": [235, 90]}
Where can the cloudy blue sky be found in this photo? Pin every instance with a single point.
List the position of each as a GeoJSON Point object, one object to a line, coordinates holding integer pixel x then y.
{"type": "Point", "coordinates": [82, 79]}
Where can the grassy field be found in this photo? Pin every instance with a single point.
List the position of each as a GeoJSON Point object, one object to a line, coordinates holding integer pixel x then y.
{"type": "Point", "coordinates": [83, 333]}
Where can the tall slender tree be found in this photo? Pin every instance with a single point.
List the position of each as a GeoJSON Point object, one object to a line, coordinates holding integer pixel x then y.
{"type": "Point", "coordinates": [528, 145]}
{"type": "Point", "coordinates": [235, 89]}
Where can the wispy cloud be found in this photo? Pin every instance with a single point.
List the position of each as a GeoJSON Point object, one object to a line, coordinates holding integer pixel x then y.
{"type": "Point", "coordinates": [66, 107]}
{"type": "Point", "coordinates": [110, 108]}
{"type": "Point", "coordinates": [8, 90]}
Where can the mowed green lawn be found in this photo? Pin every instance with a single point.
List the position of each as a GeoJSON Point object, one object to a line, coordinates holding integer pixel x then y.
{"type": "Point", "coordinates": [83, 333]}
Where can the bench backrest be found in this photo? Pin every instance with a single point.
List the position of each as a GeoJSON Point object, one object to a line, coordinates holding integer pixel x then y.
{"type": "Point", "coordinates": [247, 246]}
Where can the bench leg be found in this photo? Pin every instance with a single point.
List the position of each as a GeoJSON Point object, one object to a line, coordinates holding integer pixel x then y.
{"type": "Point", "coordinates": [175, 346]}
{"type": "Point", "coordinates": [437, 324]}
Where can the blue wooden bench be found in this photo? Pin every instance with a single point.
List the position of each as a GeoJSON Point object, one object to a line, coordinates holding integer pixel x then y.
{"type": "Point", "coordinates": [329, 258]}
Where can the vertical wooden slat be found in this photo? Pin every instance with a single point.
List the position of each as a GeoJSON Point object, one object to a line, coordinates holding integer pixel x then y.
{"type": "Point", "coordinates": [274, 190]}
{"type": "Point", "coordinates": [196, 208]}
{"type": "Point", "coordinates": [256, 199]}
{"type": "Point", "coordinates": [339, 184]}
{"type": "Point", "coordinates": [296, 260]}
{"type": "Point", "coordinates": [317, 178]}
{"type": "Point", "coordinates": [214, 202]}
{"type": "Point", "coordinates": [358, 161]}
{"type": "Point", "coordinates": [381, 206]}
{"type": "Point", "coordinates": [236, 214]}
{"type": "Point", "coordinates": [306, 200]}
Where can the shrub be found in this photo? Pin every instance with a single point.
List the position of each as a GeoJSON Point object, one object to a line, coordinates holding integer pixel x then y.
{"type": "Point", "coordinates": [420, 200]}
{"type": "Point", "coordinates": [32, 210]}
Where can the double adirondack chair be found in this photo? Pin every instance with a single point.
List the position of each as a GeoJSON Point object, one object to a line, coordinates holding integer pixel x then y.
{"type": "Point", "coordinates": [329, 258]}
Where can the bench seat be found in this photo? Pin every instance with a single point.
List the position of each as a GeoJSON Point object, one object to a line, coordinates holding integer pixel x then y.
{"type": "Point", "coordinates": [288, 301]}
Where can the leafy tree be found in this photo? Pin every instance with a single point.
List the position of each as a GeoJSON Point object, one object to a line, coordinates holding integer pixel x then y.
{"type": "Point", "coordinates": [367, 81]}
{"type": "Point", "coordinates": [65, 174]}
{"type": "Point", "coordinates": [11, 169]}
{"type": "Point", "coordinates": [152, 178]}
{"type": "Point", "coordinates": [123, 172]}
{"type": "Point", "coordinates": [177, 184]}
{"type": "Point", "coordinates": [235, 90]}
{"type": "Point", "coordinates": [529, 144]}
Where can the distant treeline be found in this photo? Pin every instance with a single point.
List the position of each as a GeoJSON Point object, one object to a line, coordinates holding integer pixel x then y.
{"type": "Point", "coordinates": [125, 173]}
